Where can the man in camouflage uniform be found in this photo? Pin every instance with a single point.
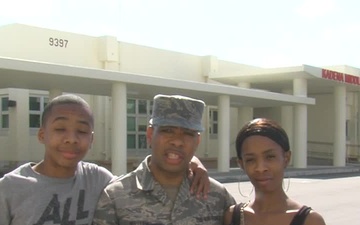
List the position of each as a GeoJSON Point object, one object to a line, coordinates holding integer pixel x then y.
{"type": "Point", "coordinates": [157, 192]}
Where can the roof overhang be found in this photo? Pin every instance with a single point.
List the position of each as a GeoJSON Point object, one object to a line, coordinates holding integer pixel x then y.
{"type": "Point", "coordinates": [15, 73]}
{"type": "Point", "coordinates": [279, 79]}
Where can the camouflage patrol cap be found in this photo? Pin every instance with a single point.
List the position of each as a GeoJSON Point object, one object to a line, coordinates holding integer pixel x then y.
{"type": "Point", "coordinates": [177, 110]}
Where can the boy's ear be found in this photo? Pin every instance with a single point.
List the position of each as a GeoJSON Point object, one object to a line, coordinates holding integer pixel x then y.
{"type": "Point", "coordinates": [92, 138]}
{"type": "Point", "coordinates": [40, 135]}
{"type": "Point", "coordinates": [287, 156]}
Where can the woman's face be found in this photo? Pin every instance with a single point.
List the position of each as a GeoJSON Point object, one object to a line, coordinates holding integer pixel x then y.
{"type": "Point", "coordinates": [264, 161]}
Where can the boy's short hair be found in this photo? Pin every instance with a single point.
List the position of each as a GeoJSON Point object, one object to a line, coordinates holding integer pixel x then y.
{"type": "Point", "coordinates": [64, 100]}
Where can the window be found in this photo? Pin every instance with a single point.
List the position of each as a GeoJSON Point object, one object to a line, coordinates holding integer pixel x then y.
{"type": "Point", "coordinates": [138, 115]}
{"type": "Point", "coordinates": [213, 121]}
{"type": "Point", "coordinates": [36, 107]}
{"type": "Point", "coordinates": [4, 112]}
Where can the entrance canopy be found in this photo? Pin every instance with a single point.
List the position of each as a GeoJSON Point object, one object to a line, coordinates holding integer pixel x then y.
{"type": "Point", "coordinates": [24, 74]}
{"type": "Point", "coordinates": [279, 79]}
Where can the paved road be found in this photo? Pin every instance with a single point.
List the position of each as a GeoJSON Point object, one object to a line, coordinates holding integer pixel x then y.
{"type": "Point", "coordinates": [336, 198]}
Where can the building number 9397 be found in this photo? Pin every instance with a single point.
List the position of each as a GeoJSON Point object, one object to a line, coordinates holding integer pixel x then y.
{"type": "Point", "coordinates": [58, 42]}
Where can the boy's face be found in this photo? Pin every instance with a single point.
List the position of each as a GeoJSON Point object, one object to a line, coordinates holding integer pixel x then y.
{"type": "Point", "coordinates": [67, 135]}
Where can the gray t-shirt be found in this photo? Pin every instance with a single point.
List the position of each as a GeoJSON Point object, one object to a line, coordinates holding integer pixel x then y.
{"type": "Point", "coordinates": [29, 198]}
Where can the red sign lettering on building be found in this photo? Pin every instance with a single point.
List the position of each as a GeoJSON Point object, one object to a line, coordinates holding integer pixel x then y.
{"type": "Point", "coordinates": [341, 77]}
{"type": "Point", "coordinates": [352, 79]}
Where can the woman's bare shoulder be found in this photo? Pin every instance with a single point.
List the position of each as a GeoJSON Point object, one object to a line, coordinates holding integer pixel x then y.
{"type": "Point", "coordinates": [228, 215]}
{"type": "Point", "coordinates": [314, 218]}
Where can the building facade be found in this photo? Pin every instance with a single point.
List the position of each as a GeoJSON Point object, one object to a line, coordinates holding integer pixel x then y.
{"type": "Point", "coordinates": [318, 107]}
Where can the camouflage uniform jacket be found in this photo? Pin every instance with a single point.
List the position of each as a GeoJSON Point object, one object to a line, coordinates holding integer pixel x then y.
{"type": "Point", "coordinates": [137, 198]}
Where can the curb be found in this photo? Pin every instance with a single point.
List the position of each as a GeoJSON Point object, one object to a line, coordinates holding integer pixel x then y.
{"type": "Point", "coordinates": [236, 174]}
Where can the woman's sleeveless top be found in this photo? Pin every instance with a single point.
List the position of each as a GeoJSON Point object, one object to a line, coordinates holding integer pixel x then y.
{"type": "Point", "coordinates": [238, 215]}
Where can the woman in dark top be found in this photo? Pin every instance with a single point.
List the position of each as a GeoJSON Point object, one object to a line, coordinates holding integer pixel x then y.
{"type": "Point", "coordinates": [263, 153]}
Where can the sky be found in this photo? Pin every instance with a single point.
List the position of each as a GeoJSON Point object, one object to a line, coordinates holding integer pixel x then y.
{"type": "Point", "coordinates": [276, 33]}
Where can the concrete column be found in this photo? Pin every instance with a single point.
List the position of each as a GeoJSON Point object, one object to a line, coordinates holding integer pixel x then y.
{"type": "Point", "coordinates": [107, 128]}
{"type": "Point", "coordinates": [206, 134]}
{"type": "Point", "coordinates": [357, 126]}
{"type": "Point", "coordinates": [111, 66]}
{"type": "Point", "coordinates": [245, 113]}
{"type": "Point", "coordinates": [119, 129]}
{"type": "Point", "coordinates": [54, 92]}
{"type": "Point", "coordinates": [210, 66]}
{"type": "Point", "coordinates": [300, 87]}
{"type": "Point", "coordinates": [99, 127]}
{"type": "Point", "coordinates": [224, 133]}
{"type": "Point", "coordinates": [19, 125]}
{"type": "Point", "coordinates": [339, 157]}
{"type": "Point", "coordinates": [300, 134]}
{"type": "Point", "coordinates": [300, 125]}
{"type": "Point", "coordinates": [108, 52]}
{"type": "Point", "coordinates": [244, 85]}
{"type": "Point", "coordinates": [287, 121]}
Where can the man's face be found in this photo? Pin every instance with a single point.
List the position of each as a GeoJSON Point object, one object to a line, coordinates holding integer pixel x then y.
{"type": "Point", "coordinates": [172, 148]}
{"type": "Point", "coordinates": [67, 136]}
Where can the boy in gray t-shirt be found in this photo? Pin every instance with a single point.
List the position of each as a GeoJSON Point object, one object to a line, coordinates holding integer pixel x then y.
{"type": "Point", "coordinates": [61, 189]}
{"type": "Point", "coordinates": [28, 197]}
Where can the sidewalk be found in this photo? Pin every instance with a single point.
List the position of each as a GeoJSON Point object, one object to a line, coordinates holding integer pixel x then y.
{"type": "Point", "coordinates": [236, 174]}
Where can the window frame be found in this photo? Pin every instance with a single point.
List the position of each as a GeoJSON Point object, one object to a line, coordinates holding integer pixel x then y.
{"type": "Point", "coordinates": [4, 112]}
{"type": "Point", "coordinates": [141, 119]}
{"type": "Point", "coordinates": [44, 99]}
{"type": "Point", "coordinates": [213, 132]}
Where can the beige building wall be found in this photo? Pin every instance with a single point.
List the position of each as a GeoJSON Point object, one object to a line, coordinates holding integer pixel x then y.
{"type": "Point", "coordinates": [268, 112]}
{"type": "Point", "coordinates": [226, 68]}
{"type": "Point", "coordinates": [45, 45]}
{"type": "Point", "coordinates": [157, 62]}
{"type": "Point", "coordinates": [353, 123]}
{"type": "Point", "coordinates": [84, 51]}
{"type": "Point", "coordinates": [321, 126]}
